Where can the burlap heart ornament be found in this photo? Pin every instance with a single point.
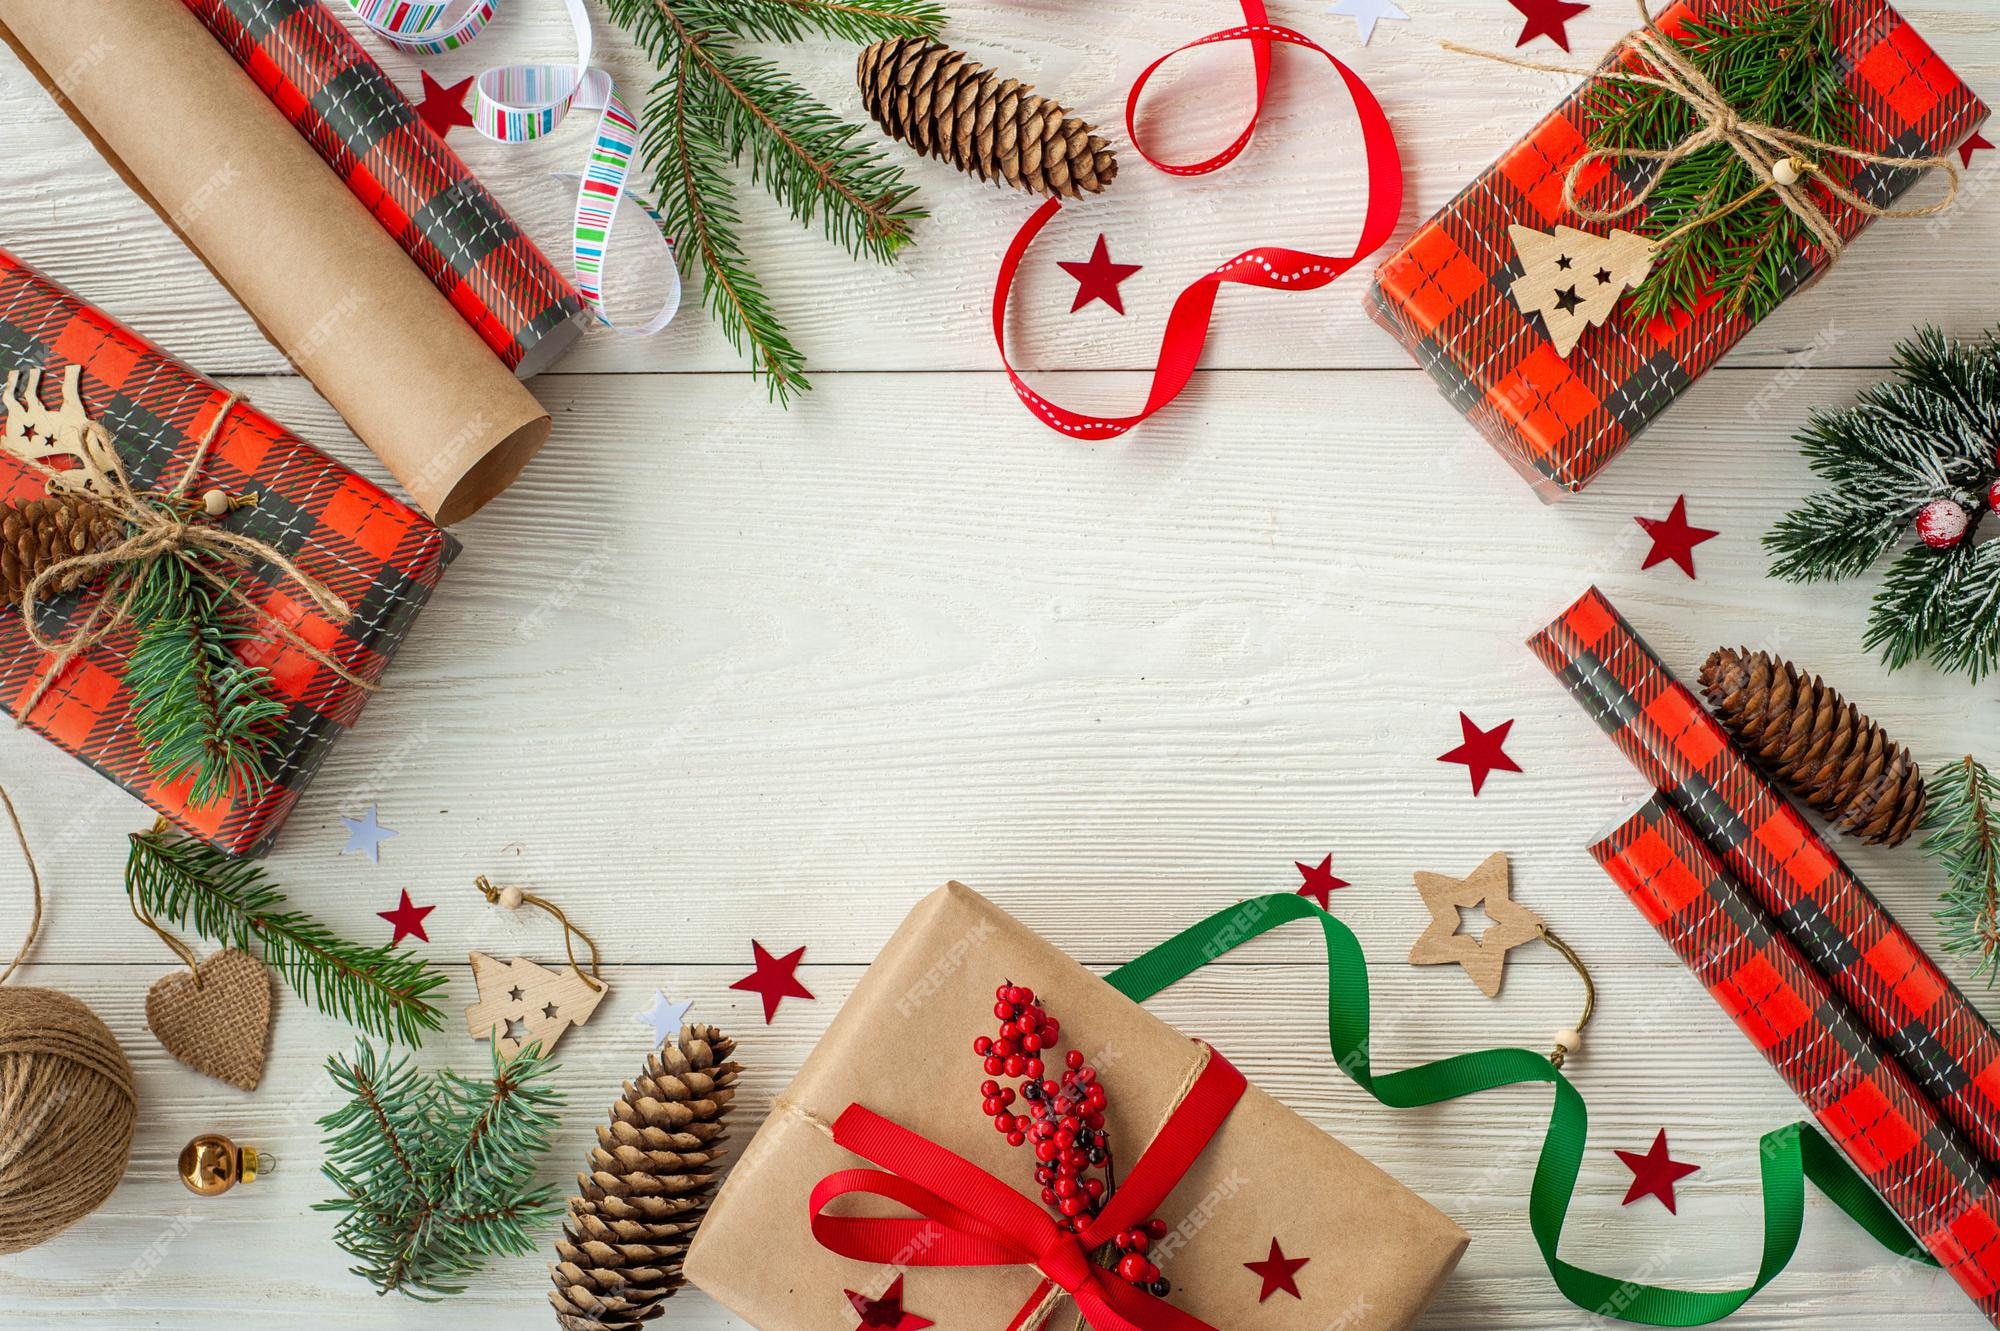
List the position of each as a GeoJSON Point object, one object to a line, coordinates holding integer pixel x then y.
{"type": "Point", "coordinates": [221, 1026]}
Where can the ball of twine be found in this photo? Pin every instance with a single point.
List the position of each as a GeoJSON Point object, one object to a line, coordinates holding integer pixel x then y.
{"type": "Point", "coordinates": [70, 1110]}
{"type": "Point", "coordinates": [67, 1104]}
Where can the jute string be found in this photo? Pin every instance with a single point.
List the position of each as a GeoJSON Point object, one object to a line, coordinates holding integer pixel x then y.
{"type": "Point", "coordinates": [1762, 147]}
{"type": "Point", "coordinates": [160, 525]}
{"type": "Point", "coordinates": [143, 916]}
{"type": "Point", "coordinates": [594, 981]}
{"type": "Point", "coordinates": [68, 1103]}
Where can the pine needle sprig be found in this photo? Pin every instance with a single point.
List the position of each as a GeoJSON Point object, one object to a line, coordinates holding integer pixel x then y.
{"type": "Point", "coordinates": [436, 1172]}
{"type": "Point", "coordinates": [197, 706]}
{"type": "Point", "coordinates": [1777, 62]}
{"type": "Point", "coordinates": [191, 885]}
{"type": "Point", "coordinates": [715, 107]}
{"type": "Point", "coordinates": [1963, 819]}
{"type": "Point", "coordinates": [1932, 432]}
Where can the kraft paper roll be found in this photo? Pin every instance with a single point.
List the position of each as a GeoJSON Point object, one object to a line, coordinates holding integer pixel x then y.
{"type": "Point", "coordinates": [193, 135]}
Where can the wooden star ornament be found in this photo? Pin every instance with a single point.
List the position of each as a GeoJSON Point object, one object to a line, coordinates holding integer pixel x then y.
{"type": "Point", "coordinates": [521, 1003]}
{"type": "Point", "coordinates": [1443, 941]}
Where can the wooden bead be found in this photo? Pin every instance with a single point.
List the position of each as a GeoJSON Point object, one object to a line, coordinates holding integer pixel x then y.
{"type": "Point", "coordinates": [1571, 1040]}
{"type": "Point", "coordinates": [215, 503]}
{"type": "Point", "coordinates": [1788, 171]}
{"type": "Point", "coordinates": [510, 898]}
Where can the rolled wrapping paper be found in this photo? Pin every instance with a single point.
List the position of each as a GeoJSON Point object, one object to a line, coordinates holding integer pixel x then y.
{"type": "Point", "coordinates": [1898, 992]}
{"type": "Point", "coordinates": [334, 94]}
{"type": "Point", "coordinates": [1922, 1166]}
{"type": "Point", "coordinates": [193, 136]}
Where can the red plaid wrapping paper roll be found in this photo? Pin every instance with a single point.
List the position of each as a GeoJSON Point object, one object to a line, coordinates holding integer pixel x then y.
{"type": "Point", "coordinates": [1445, 296]}
{"type": "Point", "coordinates": [379, 555]}
{"type": "Point", "coordinates": [340, 100]}
{"type": "Point", "coordinates": [1923, 1168]}
{"type": "Point", "coordinates": [1898, 992]}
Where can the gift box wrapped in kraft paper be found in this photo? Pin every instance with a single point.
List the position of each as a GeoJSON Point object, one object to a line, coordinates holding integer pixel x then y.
{"type": "Point", "coordinates": [1226, 1168]}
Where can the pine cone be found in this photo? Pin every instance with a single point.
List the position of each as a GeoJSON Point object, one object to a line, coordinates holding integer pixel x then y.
{"type": "Point", "coordinates": [1833, 757]}
{"type": "Point", "coordinates": [37, 533]}
{"type": "Point", "coordinates": [647, 1187]}
{"type": "Point", "coordinates": [942, 104]}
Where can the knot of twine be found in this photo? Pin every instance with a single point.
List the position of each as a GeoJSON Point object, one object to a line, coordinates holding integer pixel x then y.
{"type": "Point", "coordinates": [1763, 147]}
{"type": "Point", "coordinates": [68, 1101]}
{"type": "Point", "coordinates": [159, 525]}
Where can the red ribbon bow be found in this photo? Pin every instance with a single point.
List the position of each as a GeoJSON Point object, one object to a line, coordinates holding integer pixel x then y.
{"type": "Point", "coordinates": [973, 1219]}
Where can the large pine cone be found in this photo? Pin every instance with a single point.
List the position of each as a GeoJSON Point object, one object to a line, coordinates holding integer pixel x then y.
{"type": "Point", "coordinates": [647, 1187]}
{"type": "Point", "coordinates": [1803, 733]}
{"type": "Point", "coordinates": [942, 104]}
{"type": "Point", "coordinates": [38, 533]}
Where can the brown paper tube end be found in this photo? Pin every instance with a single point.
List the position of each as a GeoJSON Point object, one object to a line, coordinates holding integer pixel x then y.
{"type": "Point", "coordinates": [486, 478]}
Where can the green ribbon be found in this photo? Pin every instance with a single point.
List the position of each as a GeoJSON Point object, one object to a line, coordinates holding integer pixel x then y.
{"type": "Point", "coordinates": [1788, 1156]}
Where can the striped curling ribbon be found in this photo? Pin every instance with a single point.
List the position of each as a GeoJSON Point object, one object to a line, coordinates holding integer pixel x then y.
{"type": "Point", "coordinates": [521, 103]}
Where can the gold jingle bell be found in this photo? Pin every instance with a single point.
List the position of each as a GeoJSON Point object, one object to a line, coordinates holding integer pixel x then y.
{"type": "Point", "coordinates": [211, 1164]}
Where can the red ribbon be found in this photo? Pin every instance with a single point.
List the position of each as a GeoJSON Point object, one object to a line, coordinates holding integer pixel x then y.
{"type": "Point", "coordinates": [973, 1219]}
{"type": "Point", "coordinates": [1265, 266]}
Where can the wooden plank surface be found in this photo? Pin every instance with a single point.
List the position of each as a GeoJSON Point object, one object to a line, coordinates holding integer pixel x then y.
{"type": "Point", "coordinates": [713, 671]}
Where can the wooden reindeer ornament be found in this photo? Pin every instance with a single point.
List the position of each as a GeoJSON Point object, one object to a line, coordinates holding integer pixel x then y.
{"type": "Point", "coordinates": [521, 1003]}
{"type": "Point", "coordinates": [34, 433]}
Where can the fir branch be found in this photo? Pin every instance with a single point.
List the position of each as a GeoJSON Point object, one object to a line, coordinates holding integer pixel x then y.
{"type": "Point", "coordinates": [191, 885]}
{"type": "Point", "coordinates": [1963, 819]}
{"type": "Point", "coordinates": [792, 20]}
{"type": "Point", "coordinates": [1778, 62]}
{"type": "Point", "coordinates": [714, 107]}
{"type": "Point", "coordinates": [435, 1172]}
{"type": "Point", "coordinates": [1930, 433]}
{"type": "Point", "coordinates": [197, 707]}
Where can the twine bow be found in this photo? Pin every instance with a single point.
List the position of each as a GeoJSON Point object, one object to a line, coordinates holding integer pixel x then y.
{"type": "Point", "coordinates": [1781, 159]}
{"type": "Point", "coordinates": [159, 525]}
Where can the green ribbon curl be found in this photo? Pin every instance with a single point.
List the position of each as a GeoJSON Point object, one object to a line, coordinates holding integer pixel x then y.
{"type": "Point", "coordinates": [1787, 1156]}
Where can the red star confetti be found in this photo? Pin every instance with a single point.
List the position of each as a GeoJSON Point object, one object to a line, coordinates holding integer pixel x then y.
{"type": "Point", "coordinates": [1977, 143]}
{"type": "Point", "coordinates": [443, 108]}
{"type": "Point", "coordinates": [1098, 278]}
{"type": "Point", "coordinates": [408, 917]}
{"type": "Point", "coordinates": [1673, 538]}
{"type": "Point", "coordinates": [1654, 1173]}
{"type": "Point", "coordinates": [775, 979]}
{"type": "Point", "coordinates": [886, 1313]}
{"type": "Point", "coordinates": [1279, 1273]}
{"type": "Point", "coordinates": [1481, 751]}
{"type": "Point", "coordinates": [1320, 882]}
{"type": "Point", "coordinates": [1547, 18]}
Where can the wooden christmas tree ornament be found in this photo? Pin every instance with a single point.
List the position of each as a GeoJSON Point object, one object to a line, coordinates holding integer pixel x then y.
{"type": "Point", "coordinates": [1575, 280]}
{"type": "Point", "coordinates": [521, 1003]}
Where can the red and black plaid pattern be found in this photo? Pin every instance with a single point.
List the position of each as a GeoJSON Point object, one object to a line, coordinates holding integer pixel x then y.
{"type": "Point", "coordinates": [354, 117]}
{"type": "Point", "coordinates": [1920, 1164]}
{"type": "Point", "coordinates": [1445, 295]}
{"type": "Point", "coordinates": [379, 555]}
{"type": "Point", "coordinates": [1899, 993]}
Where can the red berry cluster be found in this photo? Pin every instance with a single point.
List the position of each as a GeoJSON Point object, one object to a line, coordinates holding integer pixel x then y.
{"type": "Point", "coordinates": [1063, 1121]}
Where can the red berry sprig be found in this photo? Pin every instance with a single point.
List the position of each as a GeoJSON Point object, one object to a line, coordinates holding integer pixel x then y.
{"type": "Point", "coordinates": [1062, 1118]}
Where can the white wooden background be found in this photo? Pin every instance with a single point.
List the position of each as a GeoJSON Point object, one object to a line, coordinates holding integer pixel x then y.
{"type": "Point", "coordinates": [714, 670]}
